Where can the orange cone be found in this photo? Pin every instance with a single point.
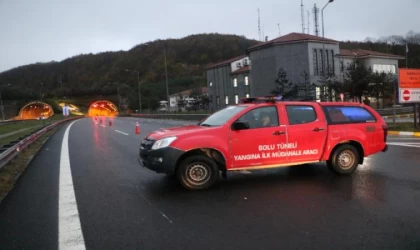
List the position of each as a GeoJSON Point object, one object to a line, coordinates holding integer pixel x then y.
{"type": "Point", "coordinates": [137, 128]}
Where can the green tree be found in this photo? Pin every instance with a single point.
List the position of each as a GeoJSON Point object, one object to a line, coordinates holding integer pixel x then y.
{"type": "Point", "coordinates": [357, 80]}
{"type": "Point", "coordinates": [283, 87]}
{"type": "Point", "coordinates": [306, 89]}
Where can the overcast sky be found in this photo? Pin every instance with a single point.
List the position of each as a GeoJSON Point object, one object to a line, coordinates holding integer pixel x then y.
{"type": "Point", "coordinates": [45, 30]}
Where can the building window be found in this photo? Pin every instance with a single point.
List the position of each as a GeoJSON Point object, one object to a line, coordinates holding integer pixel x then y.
{"type": "Point", "coordinates": [246, 80]}
{"type": "Point", "coordinates": [236, 99]}
{"type": "Point", "coordinates": [332, 62]}
{"type": "Point", "coordinates": [226, 99]}
{"type": "Point", "coordinates": [341, 66]}
{"type": "Point", "coordinates": [327, 67]}
{"type": "Point", "coordinates": [247, 95]}
{"type": "Point", "coordinates": [210, 84]}
{"type": "Point", "coordinates": [379, 68]}
{"type": "Point", "coordinates": [318, 94]}
{"type": "Point", "coordinates": [235, 82]}
{"type": "Point", "coordinates": [321, 62]}
{"type": "Point", "coordinates": [315, 60]}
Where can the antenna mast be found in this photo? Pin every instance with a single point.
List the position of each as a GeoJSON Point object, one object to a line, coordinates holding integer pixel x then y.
{"type": "Point", "coordinates": [259, 25]}
{"type": "Point", "coordinates": [309, 22]}
{"type": "Point", "coordinates": [302, 16]}
{"type": "Point", "coordinates": [316, 21]}
{"type": "Point", "coordinates": [279, 29]}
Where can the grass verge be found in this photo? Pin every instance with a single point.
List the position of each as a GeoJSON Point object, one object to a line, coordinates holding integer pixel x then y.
{"type": "Point", "coordinates": [10, 173]}
{"type": "Point", "coordinates": [17, 136]}
{"type": "Point", "coordinates": [403, 126]}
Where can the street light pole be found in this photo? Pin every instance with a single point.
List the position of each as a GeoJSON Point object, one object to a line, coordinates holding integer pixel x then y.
{"type": "Point", "coordinates": [166, 74]}
{"type": "Point", "coordinates": [138, 81]}
{"type": "Point", "coordinates": [2, 109]}
{"type": "Point", "coordinates": [323, 54]}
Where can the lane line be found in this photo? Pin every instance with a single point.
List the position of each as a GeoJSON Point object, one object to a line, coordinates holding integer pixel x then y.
{"type": "Point", "coordinates": [121, 132]}
{"type": "Point", "coordinates": [403, 145]}
{"type": "Point", "coordinates": [103, 126]}
{"type": "Point", "coordinates": [70, 235]}
{"type": "Point", "coordinates": [161, 213]}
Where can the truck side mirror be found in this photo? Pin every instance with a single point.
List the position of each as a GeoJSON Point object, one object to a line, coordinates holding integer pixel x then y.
{"type": "Point", "coordinates": [240, 125]}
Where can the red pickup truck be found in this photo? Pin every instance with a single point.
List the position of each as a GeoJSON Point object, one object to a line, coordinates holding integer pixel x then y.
{"type": "Point", "coordinates": [262, 133]}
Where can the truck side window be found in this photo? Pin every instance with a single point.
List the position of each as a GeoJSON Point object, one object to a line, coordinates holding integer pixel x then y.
{"type": "Point", "coordinates": [261, 117]}
{"type": "Point", "coordinates": [300, 114]}
{"type": "Point", "coordinates": [348, 114]}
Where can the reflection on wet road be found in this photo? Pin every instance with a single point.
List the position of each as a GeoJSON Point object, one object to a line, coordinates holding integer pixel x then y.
{"type": "Point", "coordinates": [124, 206]}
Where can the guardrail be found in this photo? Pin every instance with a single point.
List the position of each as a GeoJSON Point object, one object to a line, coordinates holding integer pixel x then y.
{"type": "Point", "coordinates": [15, 149]}
{"type": "Point", "coordinates": [398, 111]}
{"type": "Point", "coordinates": [191, 117]}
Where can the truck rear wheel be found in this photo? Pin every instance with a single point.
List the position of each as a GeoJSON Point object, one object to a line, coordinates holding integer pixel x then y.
{"type": "Point", "coordinates": [197, 172]}
{"type": "Point", "coordinates": [344, 160]}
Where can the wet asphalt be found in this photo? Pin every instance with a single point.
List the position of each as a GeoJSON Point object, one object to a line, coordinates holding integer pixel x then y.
{"type": "Point", "coordinates": [124, 206]}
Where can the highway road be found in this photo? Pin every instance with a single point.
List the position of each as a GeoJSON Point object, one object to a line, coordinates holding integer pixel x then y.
{"type": "Point", "coordinates": [85, 190]}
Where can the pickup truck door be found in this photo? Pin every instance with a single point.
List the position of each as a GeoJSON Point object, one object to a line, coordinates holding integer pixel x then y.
{"type": "Point", "coordinates": [307, 129]}
{"type": "Point", "coordinates": [257, 146]}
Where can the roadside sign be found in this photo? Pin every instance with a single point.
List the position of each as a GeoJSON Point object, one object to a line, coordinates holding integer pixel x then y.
{"type": "Point", "coordinates": [409, 85]}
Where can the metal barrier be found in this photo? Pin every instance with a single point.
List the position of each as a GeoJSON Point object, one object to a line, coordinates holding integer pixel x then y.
{"type": "Point", "coordinates": [14, 150]}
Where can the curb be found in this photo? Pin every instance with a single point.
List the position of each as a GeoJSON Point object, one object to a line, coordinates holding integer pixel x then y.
{"type": "Point", "coordinates": [414, 134]}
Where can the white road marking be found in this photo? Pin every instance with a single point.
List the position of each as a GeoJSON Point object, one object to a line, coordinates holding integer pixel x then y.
{"type": "Point", "coordinates": [121, 132]}
{"type": "Point", "coordinates": [103, 126]}
{"type": "Point", "coordinates": [151, 204]}
{"type": "Point", "coordinates": [410, 145]}
{"type": "Point", "coordinates": [70, 235]}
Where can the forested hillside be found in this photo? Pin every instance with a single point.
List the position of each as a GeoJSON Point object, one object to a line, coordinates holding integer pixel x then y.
{"type": "Point", "coordinates": [91, 74]}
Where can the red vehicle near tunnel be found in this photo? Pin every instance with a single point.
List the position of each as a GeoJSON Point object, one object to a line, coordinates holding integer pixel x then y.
{"type": "Point", "coordinates": [262, 133]}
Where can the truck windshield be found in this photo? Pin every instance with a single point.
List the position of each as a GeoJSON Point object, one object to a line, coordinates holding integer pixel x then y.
{"type": "Point", "coordinates": [222, 116]}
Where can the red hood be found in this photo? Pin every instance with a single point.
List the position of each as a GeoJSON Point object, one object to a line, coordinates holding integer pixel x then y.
{"type": "Point", "coordinates": [176, 131]}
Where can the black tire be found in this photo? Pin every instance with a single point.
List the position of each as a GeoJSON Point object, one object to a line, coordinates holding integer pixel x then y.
{"type": "Point", "coordinates": [197, 172]}
{"type": "Point", "coordinates": [344, 160]}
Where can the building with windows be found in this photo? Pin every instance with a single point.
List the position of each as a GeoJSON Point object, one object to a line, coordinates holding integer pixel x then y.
{"type": "Point", "coordinates": [254, 73]}
{"type": "Point", "coordinates": [228, 81]}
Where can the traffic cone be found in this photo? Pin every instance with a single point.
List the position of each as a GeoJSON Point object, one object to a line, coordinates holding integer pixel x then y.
{"type": "Point", "coordinates": [137, 128]}
{"type": "Point", "coordinates": [110, 122]}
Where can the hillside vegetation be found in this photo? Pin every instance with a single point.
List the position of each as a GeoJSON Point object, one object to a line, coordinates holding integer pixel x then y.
{"type": "Point", "coordinates": [90, 75]}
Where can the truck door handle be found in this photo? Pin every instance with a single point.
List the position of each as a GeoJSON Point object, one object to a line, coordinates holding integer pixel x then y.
{"type": "Point", "coordinates": [317, 129]}
{"type": "Point", "coordinates": [279, 133]}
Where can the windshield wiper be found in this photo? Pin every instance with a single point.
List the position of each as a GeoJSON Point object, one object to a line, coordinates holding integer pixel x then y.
{"type": "Point", "coordinates": [205, 125]}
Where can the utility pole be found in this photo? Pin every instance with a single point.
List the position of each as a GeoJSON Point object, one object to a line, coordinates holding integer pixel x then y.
{"type": "Point", "coordinates": [323, 54]}
{"type": "Point", "coordinates": [2, 108]}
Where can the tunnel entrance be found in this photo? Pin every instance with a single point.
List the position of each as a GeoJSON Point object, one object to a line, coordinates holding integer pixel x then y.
{"type": "Point", "coordinates": [74, 110]}
{"type": "Point", "coordinates": [35, 110]}
{"type": "Point", "coordinates": [102, 108]}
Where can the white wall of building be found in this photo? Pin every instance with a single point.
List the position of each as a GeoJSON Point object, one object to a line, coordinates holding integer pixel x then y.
{"type": "Point", "coordinates": [243, 62]}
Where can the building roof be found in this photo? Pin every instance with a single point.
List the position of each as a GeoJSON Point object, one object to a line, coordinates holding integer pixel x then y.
{"type": "Point", "coordinates": [292, 38]}
{"type": "Point", "coordinates": [361, 53]}
{"type": "Point", "coordinates": [241, 70]}
{"type": "Point", "coordinates": [226, 62]}
{"type": "Point", "coordinates": [188, 92]}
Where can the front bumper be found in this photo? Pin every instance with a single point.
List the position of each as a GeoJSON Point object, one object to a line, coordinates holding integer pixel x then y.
{"type": "Point", "coordinates": [161, 160]}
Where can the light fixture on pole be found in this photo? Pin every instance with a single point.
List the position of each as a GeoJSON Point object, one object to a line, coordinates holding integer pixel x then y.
{"type": "Point", "coordinates": [323, 54]}
{"type": "Point", "coordinates": [118, 92]}
{"type": "Point", "coordinates": [1, 103]}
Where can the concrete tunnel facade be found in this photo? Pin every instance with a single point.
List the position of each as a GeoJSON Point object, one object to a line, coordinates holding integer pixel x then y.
{"type": "Point", "coordinates": [102, 108]}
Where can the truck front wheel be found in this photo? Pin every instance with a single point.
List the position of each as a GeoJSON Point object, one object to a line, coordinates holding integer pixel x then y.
{"type": "Point", "coordinates": [344, 160]}
{"type": "Point", "coordinates": [197, 172]}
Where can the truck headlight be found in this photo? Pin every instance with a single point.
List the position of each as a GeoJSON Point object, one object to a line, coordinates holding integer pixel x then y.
{"type": "Point", "coordinates": [163, 142]}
